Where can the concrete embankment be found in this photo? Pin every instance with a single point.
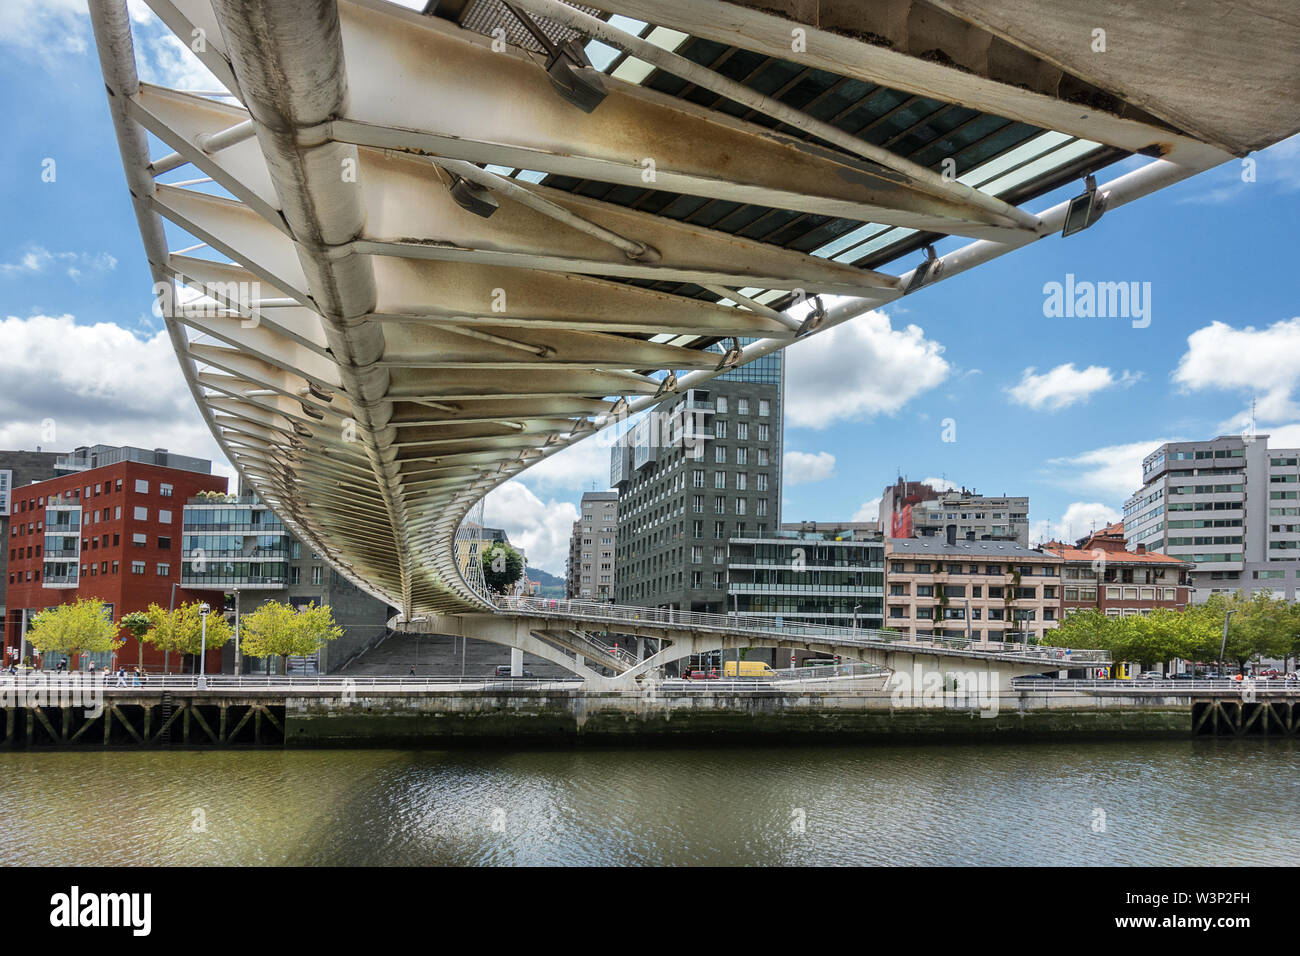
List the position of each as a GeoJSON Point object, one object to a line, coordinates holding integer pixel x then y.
{"type": "Point", "coordinates": [554, 716]}
{"type": "Point", "coordinates": [547, 714]}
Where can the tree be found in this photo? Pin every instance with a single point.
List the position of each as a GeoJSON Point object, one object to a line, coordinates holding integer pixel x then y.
{"type": "Point", "coordinates": [70, 628]}
{"type": "Point", "coordinates": [138, 623]}
{"type": "Point", "coordinates": [502, 567]}
{"type": "Point", "coordinates": [181, 629]}
{"type": "Point", "coordinates": [277, 629]}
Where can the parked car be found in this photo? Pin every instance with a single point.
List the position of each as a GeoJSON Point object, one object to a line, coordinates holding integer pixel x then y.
{"type": "Point", "coordinates": [503, 670]}
{"type": "Point", "coordinates": [702, 675]}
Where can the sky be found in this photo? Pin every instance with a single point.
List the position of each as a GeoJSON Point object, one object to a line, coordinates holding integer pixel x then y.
{"type": "Point", "coordinates": [970, 382]}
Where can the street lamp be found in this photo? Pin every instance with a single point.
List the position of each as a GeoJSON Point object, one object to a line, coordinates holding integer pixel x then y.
{"type": "Point", "coordinates": [1223, 646]}
{"type": "Point", "coordinates": [856, 608]}
{"type": "Point", "coordinates": [203, 646]}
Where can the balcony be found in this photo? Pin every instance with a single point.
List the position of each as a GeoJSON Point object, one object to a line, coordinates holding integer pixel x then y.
{"type": "Point", "coordinates": [60, 581]}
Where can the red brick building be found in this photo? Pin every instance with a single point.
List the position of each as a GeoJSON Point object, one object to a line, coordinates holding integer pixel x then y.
{"type": "Point", "coordinates": [1100, 574]}
{"type": "Point", "coordinates": [113, 532]}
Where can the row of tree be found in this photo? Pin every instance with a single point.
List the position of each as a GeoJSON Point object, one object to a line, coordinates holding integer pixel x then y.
{"type": "Point", "coordinates": [1260, 626]}
{"type": "Point", "coordinates": [274, 629]}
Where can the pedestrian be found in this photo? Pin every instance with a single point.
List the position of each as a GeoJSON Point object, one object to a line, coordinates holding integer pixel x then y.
{"type": "Point", "coordinates": [121, 677]}
{"type": "Point", "coordinates": [135, 676]}
{"type": "Point", "coordinates": [63, 664]}
{"type": "Point", "coordinates": [92, 669]}
{"type": "Point", "coordinates": [412, 670]}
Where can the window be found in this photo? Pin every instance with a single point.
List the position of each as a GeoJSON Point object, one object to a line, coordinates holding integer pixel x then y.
{"type": "Point", "coordinates": [762, 432]}
{"type": "Point", "coordinates": [165, 543]}
{"type": "Point", "coordinates": [141, 514]}
{"type": "Point", "coordinates": [721, 404]}
{"type": "Point", "coordinates": [740, 506]}
{"type": "Point", "coordinates": [137, 567]}
{"type": "Point", "coordinates": [761, 481]}
{"type": "Point", "coordinates": [141, 486]}
{"type": "Point", "coordinates": [742, 456]}
{"type": "Point", "coordinates": [164, 569]}
{"type": "Point", "coordinates": [719, 479]}
{"type": "Point", "coordinates": [316, 574]}
{"type": "Point", "coordinates": [139, 540]}
{"type": "Point", "coordinates": [742, 406]}
{"type": "Point", "coordinates": [165, 490]}
{"type": "Point", "coordinates": [719, 429]}
{"type": "Point", "coordinates": [720, 504]}
{"type": "Point", "coordinates": [165, 517]}
{"type": "Point", "coordinates": [117, 513]}
{"type": "Point", "coordinates": [742, 431]}
{"type": "Point", "coordinates": [764, 407]}
{"type": "Point", "coordinates": [295, 575]}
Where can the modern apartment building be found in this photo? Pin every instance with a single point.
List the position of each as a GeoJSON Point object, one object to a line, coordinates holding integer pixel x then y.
{"type": "Point", "coordinates": [1231, 506]}
{"type": "Point", "coordinates": [18, 468]}
{"type": "Point", "coordinates": [833, 576]}
{"type": "Point", "coordinates": [589, 575]}
{"type": "Point", "coordinates": [703, 469]}
{"type": "Point", "coordinates": [912, 509]}
{"type": "Point", "coordinates": [981, 590]}
{"type": "Point", "coordinates": [108, 526]}
{"type": "Point", "coordinates": [1101, 574]}
{"type": "Point", "coordinates": [235, 545]}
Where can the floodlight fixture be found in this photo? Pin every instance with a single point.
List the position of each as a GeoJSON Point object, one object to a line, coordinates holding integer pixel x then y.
{"type": "Point", "coordinates": [472, 197]}
{"type": "Point", "coordinates": [928, 271]}
{"type": "Point", "coordinates": [732, 356]}
{"type": "Point", "coordinates": [567, 65]}
{"type": "Point", "coordinates": [1084, 210]}
{"type": "Point", "coordinates": [814, 320]}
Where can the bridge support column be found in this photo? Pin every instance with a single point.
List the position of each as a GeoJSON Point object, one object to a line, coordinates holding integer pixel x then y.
{"type": "Point", "coordinates": [516, 662]}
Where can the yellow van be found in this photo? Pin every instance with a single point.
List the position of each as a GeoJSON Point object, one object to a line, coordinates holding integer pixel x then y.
{"type": "Point", "coordinates": [747, 669]}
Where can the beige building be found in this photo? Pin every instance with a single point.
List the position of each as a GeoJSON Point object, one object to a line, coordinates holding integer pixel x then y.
{"type": "Point", "coordinates": [983, 590]}
{"type": "Point", "coordinates": [589, 575]}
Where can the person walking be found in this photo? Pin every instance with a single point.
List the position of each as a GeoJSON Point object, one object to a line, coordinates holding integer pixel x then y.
{"type": "Point", "coordinates": [412, 670]}
{"type": "Point", "coordinates": [121, 677]}
{"type": "Point", "coordinates": [135, 676]}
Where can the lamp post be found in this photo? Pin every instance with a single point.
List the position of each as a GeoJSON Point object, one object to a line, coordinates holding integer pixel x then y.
{"type": "Point", "coordinates": [203, 646]}
{"type": "Point", "coordinates": [1223, 646]}
{"type": "Point", "coordinates": [856, 608]}
{"type": "Point", "coordinates": [236, 632]}
{"type": "Point", "coordinates": [167, 654]}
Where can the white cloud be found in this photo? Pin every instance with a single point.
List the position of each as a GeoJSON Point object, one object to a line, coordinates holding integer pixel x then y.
{"type": "Point", "coordinates": [941, 484]}
{"type": "Point", "coordinates": [48, 31]}
{"type": "Point", "coordinates": [802, 467]}
{"type": "Point", "coordinates": [45, 30]}
{"type": "Point", "coordinates": [1064, 386]}
{"type": "Point", "coordinates": [68, 385]}
{"type": "Point", "coordinates": [868, 511]}
{"type": "Point", "coordinates": [1264, 363]}
{"type": "Point", "coordinates": [37, 260]}
{"type": "Point", "coordinates": [1115, 470]}
{"type": "Point", "coordinates": [861, 368]}
{"type": "Point", "coordinates": [542, 529]}
{"type": "Point", "coordinates": [1081, 518]}
{"type": "Point", "coordinates": [579, 467]}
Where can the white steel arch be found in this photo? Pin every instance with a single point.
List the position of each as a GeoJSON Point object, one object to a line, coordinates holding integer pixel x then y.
{"type": "Point", "coordinates": [388, 322]}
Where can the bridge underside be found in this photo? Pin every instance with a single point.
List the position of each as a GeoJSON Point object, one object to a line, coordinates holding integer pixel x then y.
{"type": "Point", "coordinates": [425, 252]}
{"type": "Point", "coordinates": [555, 641]}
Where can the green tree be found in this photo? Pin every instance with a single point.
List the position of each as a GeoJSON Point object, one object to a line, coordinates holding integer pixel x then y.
{"type": "Point", "coordinates": [72, 628]}
{"type": "Point", "coordinates": [502, 567]}
{"type": "Point", "coordinates": [181, 629]}
{"type": "Point", "coordinates": [277, 629]}
{"type": "Point", "coordinates": [138, 623]}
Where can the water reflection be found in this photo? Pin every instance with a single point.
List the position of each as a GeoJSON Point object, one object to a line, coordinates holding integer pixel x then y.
{"type": "Point", "coordinates": [1158, 803]}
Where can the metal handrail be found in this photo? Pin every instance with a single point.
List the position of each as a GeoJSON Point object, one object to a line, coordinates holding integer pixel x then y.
{"type": "Point", "coordinates": [849, 636]}
{"type": "Point", "coordinates": [1163, 684]}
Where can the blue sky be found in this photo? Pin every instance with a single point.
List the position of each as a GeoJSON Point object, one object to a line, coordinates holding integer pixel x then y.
{"type": "Point", "coordinates": [85, 360]}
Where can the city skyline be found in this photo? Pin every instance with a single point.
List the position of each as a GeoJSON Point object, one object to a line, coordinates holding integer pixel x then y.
{"type": "Point", "coordinates": [1061, 410]}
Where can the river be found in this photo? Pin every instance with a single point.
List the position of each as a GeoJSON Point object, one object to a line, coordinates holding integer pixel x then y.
{"type": "Point", "coordinates": [1104, 803]}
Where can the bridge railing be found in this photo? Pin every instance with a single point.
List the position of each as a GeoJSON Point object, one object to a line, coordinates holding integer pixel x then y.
{"type": "Point", "coordinates": [183, 682]}
{"type": "Point", "coordinates": [615, 614]}
{"type": "Point", "coordinates": [1163, 685]}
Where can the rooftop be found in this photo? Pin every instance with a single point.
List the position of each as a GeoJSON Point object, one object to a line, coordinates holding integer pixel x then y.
{"type": "Point", "coordinates": [940, 546]}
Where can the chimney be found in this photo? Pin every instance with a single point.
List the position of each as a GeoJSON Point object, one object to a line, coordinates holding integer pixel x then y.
{"type": "Point", "coordinates": [952, 534]}
{"type": "Point", "coordinates": [1141, 549]}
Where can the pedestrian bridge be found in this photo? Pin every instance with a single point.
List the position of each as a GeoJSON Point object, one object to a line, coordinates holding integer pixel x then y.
{"type": "Point", "coordinates": [577, 635]}
{"type": "Point", "coordinates": [403, 255]}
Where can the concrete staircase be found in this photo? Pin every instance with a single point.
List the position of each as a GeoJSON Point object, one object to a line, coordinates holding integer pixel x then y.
{"type": "Point", "coordinates": [435, 655]}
